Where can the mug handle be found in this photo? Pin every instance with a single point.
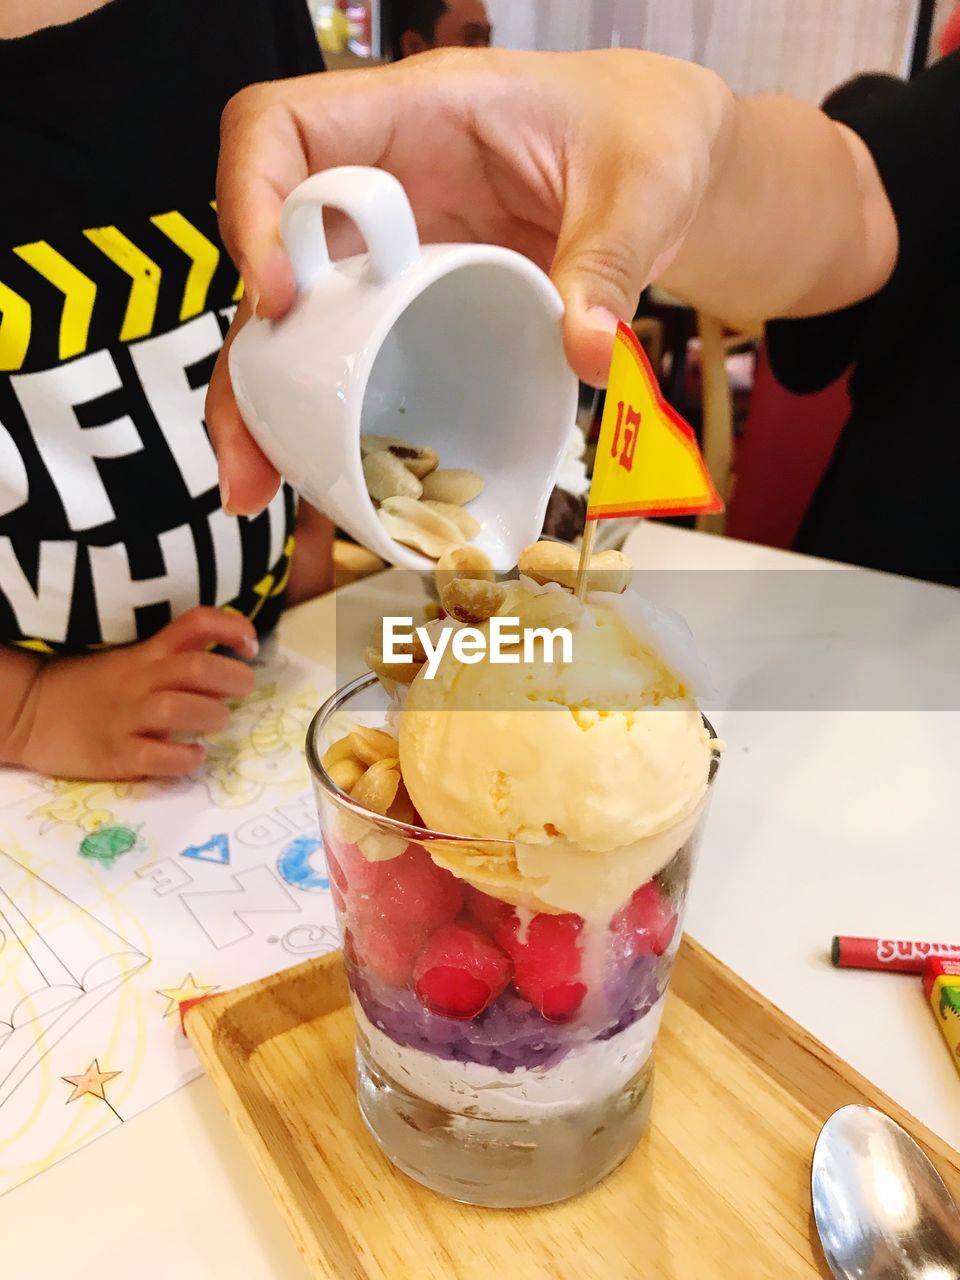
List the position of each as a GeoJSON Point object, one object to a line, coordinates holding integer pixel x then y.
{"type": "Point", "coordinates": [371, 198]}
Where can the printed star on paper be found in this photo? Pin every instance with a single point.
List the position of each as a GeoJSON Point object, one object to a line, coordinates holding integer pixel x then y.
{"type": "Point", "coordinates": [92, 1082]}
{"type": "Point", "coordinates": [189, 989]}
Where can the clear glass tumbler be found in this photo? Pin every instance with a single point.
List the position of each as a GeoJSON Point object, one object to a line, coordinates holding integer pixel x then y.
{"type": "Point", "coordinates": [504, 1055]}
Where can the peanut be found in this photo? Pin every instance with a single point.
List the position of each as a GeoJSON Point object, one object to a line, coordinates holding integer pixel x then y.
{"type": "Point", "coordinates": [381, 846]}
{"type": "Point", "coordinates": [471, 600]}
{"type": "Point", "coordinates": [416, 525]}
{"type": "Point", "coordinates": [464, 562]}
{"type": "Point", "coordinates": [558, 562]}
{"type": "Point", "coordinates": [346, 773]}
{"type": "Point", "coordinates": [400, 672]}
{"type": "Point", "coordinates": [387, 477]}
{"type": "Point", "coordinates": [413, 646]}
{"type": "Point", "coordinates": [338, 750]}
{"type": "Point", "coordinates": [378, 787]}
{"type": "Point", "coordinates": [454, 485]}
{"type": "Point", "coordinates": [468, 525]}
{"type": "Point", "coordinates": [351, 828]}
{"type": "Point", "coordinates": [381, 444]}
{"type": "Point", "coordinates": [421, 460]}
{"type": "Point", "coordinates": [371, 745]}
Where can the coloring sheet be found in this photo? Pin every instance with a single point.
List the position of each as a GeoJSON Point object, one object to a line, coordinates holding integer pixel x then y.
{"type": "Point", "coordinates": [119, 900]}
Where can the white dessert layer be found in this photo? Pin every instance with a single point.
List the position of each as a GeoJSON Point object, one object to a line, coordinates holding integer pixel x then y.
{"type": "Point", "coordinates": [588, 1074]}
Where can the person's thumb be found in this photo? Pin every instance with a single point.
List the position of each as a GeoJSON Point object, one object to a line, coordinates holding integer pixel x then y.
{"type": "Point", "coordinates": [602, 262]}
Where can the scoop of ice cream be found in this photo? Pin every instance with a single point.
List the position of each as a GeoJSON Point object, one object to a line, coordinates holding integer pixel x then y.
{"type": "Point", "coordinates": [570, 760]}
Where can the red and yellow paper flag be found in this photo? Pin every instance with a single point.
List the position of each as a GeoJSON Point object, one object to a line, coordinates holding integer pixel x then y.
{"type": "Point", "coordinates": [648, 462]}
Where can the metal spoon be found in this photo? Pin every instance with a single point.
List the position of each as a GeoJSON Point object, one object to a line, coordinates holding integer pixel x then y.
{"type": "Point", "coordinates": [881, 1209]}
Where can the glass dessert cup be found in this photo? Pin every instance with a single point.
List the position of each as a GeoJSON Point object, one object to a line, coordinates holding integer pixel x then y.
{"type": "Point", "coordinates": [504, 1052]}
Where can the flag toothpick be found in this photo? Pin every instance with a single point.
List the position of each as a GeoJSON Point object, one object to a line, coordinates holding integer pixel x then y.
{"type": "Point", "coordinates": [586, 550]}
{"type": "Point", "coordinates": [648, 462]}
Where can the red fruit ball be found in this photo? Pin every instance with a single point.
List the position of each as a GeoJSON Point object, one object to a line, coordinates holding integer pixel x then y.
{"type": "Point", "coordinates": [460, 971]}
{"type": "Point", "coordinates": [487, 912]}
{"type": "Point", "coordinates": [350, 871]}
{"type": "Point", "coordinates": [561, 1002]}
{"type": "Point", "coordinates": [390, 954]}
{"type": "Point", "coordinates": [412, 899]}
{"type": "Point", "coordinates": [416, 894]}
{"type": "Point", "coordinates": [646, 925]}
{"type": "Point", "coordinates": [546, 963]}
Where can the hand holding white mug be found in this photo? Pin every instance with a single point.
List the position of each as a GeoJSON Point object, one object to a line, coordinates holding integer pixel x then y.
{"type": "Point", "coordinates": [608, 169]}
{"type": "Point", "coordinates": [501, 148]}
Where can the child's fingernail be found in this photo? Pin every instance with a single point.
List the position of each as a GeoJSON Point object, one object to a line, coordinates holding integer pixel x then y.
{"type": "Point", "coordinates": [251, 646]}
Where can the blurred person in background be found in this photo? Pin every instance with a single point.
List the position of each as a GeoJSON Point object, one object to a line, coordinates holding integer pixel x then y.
{"type": "Point", "coordinates": [418, 25]}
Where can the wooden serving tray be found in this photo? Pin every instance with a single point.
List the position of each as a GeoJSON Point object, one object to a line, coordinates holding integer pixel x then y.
{"type": "Point", "coordinates": [718, 1187]}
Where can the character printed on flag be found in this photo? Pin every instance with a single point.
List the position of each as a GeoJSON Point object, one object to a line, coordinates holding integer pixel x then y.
{"type": "Point", "coordinates": [631, 430]}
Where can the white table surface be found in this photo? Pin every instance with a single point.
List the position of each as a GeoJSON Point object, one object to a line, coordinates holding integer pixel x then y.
{"type": "Point", "coordinates": [823, 821]}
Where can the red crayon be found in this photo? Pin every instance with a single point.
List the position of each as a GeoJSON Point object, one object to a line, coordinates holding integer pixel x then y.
{"type": "Point", "coordinates": [888, 953]}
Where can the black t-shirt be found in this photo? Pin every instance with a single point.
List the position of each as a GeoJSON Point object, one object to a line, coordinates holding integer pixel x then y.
{"type": "Point", "coordinates": [889, 499]}
{"type": "Point", "coordinates": [115, 294]}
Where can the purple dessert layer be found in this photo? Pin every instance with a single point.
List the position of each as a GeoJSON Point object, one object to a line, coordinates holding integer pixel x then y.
{"type": "Point", "coordinates": [510, 1033]}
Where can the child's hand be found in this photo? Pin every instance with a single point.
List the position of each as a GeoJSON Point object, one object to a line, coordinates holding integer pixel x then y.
{"type": "Point", "coordinates": [113, 715]}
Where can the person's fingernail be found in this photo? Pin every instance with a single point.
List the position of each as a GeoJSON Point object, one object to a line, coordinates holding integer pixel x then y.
{"type": "Point", "coordinates": [601, 319]}
{"type": "Point", "coordinates": [225, 491]}
{"type": "Point", "coordinates": [250, 290]}
{"type": "Point", "coordinates": [251, 646]}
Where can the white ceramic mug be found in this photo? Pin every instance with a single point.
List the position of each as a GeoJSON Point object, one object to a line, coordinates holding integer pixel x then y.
{"type": "Point", "coordinates": [456, 346]}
